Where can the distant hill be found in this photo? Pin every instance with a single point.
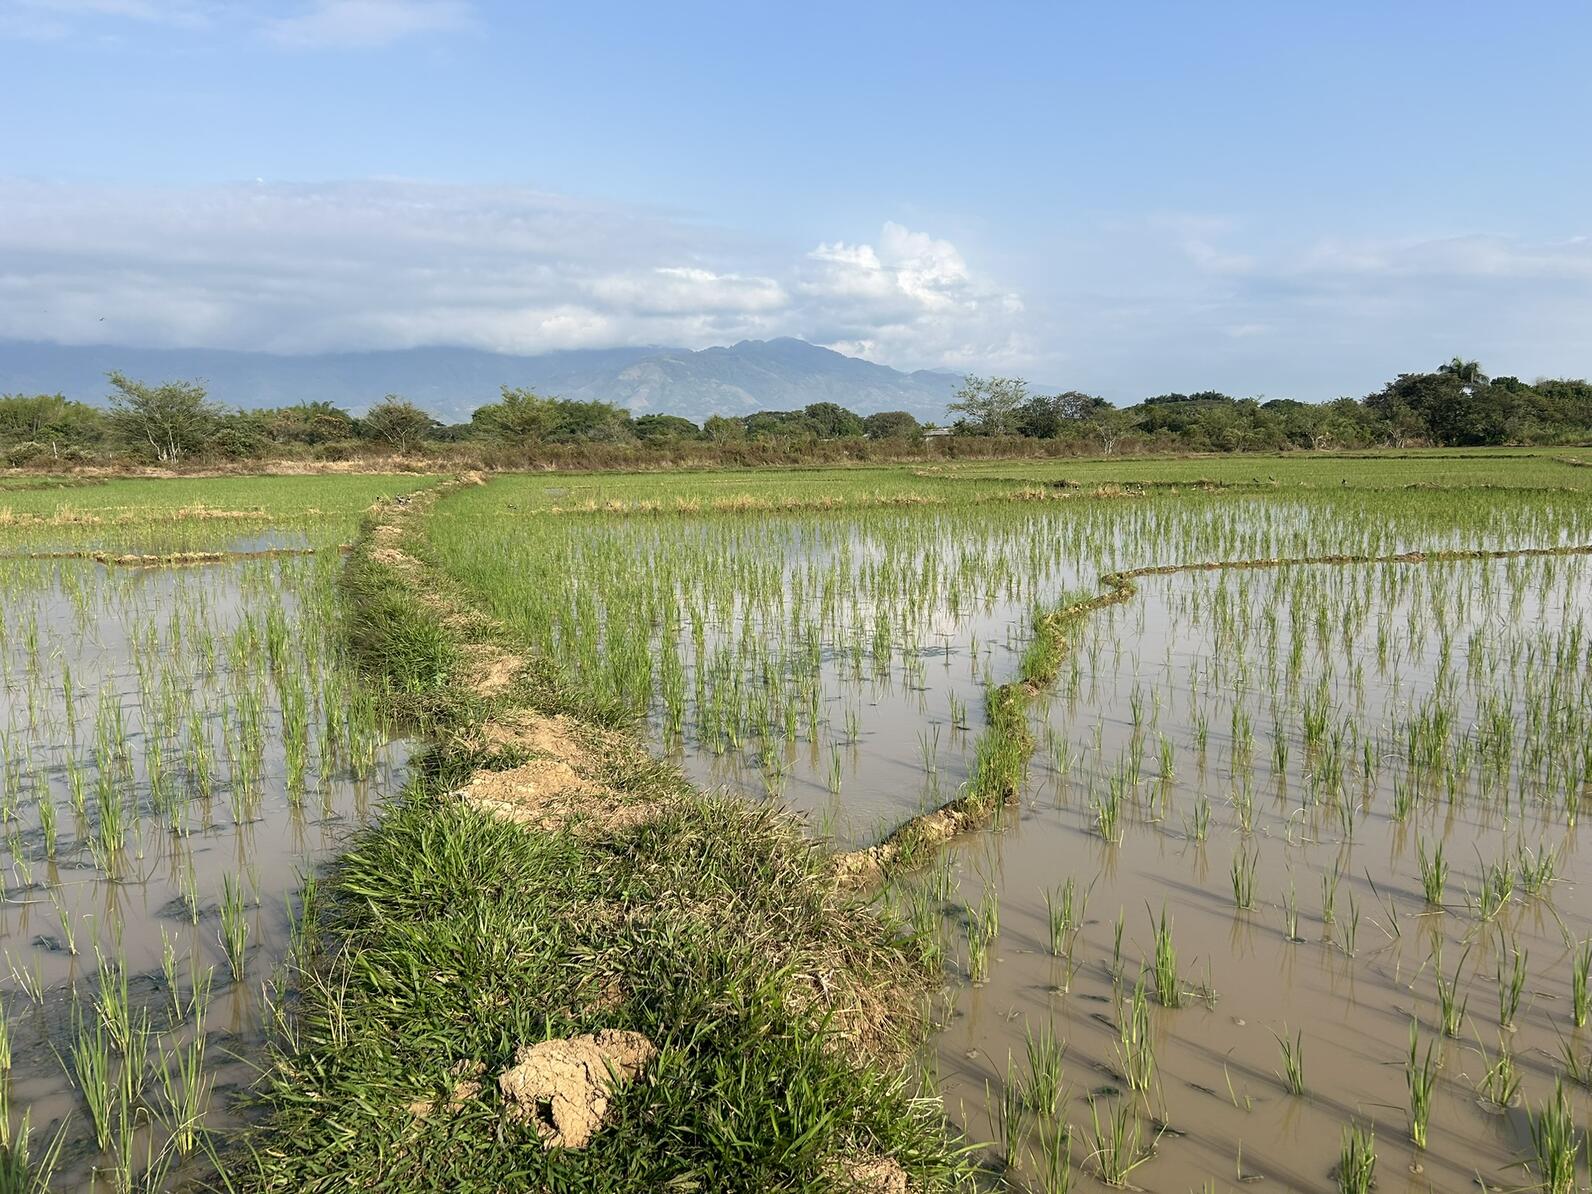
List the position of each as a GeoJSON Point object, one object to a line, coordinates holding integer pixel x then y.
{"type": "Point", "coordinates": [451, 382]}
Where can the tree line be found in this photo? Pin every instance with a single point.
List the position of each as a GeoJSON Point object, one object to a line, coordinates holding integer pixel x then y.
{"type": "Point", "coordinates": [175, 422]}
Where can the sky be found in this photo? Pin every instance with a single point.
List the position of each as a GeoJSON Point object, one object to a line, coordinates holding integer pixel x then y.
{"type": "Point", "coordinates": [1277, 199]}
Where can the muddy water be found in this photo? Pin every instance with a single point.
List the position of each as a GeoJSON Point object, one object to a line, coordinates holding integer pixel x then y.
{"type": "Point", "coordinates": [1500, 646]}
{"type": "Point", "coordinates": [168, 738]}
{"type": "Point", "coordinates": [893, 740]}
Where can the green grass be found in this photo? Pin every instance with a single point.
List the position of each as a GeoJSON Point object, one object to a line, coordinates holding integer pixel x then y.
{"type": "Point", "coordinates": [157, 515]}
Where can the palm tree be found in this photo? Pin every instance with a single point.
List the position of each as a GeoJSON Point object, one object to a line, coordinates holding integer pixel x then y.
{"type": "Point", "coordinates": [1468, 372]}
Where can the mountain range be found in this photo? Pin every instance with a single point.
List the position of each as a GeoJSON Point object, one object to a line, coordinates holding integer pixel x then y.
{"type": "Point", "coordinates": [753, 375]}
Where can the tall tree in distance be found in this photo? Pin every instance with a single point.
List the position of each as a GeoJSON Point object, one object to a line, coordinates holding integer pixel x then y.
{"type": "Point", "coordinates": [991, 404]}
{"type": "Point", "coordinates": [166, 422]}
{"type": "Point", "coordinates": [1465, 372]}
{"type": "Point", "coordinates": [398, 422]}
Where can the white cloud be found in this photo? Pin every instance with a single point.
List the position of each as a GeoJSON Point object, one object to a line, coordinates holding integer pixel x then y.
{"type": "Point", "coordinates": [368, 23]}
{"type": "Point", "coordinates": [54, 19]}
{"type": "Point", "coordinates": [396, 264]}
{"type": "Point", "coordinates": [293, 24]}
{"type": "Point", "coordinates": [911, 297]}
{"type": "Point", "coordinates": [1182, 303]}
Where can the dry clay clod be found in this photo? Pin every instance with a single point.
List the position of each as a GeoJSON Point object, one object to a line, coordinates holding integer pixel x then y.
{"type": "Point", "coordinates": [562, 1086]}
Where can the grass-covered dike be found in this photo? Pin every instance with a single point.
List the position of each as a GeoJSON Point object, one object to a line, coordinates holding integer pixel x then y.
{"type": "Point", "coordinates": [543, 878]}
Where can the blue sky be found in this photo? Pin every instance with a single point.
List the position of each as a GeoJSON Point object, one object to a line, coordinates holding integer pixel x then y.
{"type": "Point", "coordinates": [1278, 198]}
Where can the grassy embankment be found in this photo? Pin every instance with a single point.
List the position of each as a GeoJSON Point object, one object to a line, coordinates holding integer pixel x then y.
{"type": "Point", "coordinates": [544, 877]}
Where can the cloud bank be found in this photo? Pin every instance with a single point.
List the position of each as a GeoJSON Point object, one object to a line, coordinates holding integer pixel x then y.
{"type": "Point", "coordinates": [394, 265]}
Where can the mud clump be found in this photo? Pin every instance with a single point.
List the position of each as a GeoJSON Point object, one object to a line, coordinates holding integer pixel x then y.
{"type": "Point", "coordinates": [550, 795]}
{"type": "Point", "coordinates": [562, 1087]}
{"type": "Point", "coordinates": [870, 1175]}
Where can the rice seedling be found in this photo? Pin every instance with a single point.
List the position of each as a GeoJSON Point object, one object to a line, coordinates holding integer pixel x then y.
{"type": "Point", "coordinates": [1293, 1062]}
{"type": "Point", "coordinates": [1581, 983]}
{"type": "Point", "coordinates": [1434, 874]}
{"type": "Point", "coordinates": [1357, 1160]}
{"type": "Point", "coordinates": [1500, 1081]}
{"type": "Point", "coordinates": [1511, 985]}
{"type": "Point", "coordinates": [234, 930]}
{"type": "Point", "coordinates": [1055, 1153]}
{"type": "Point", "coordinates": [1168, 984]}
{"type": "Point", "coordinates": [1420, 1075]}
{"type": "Point", "coordinates": [1045, 1085]}
{"type": "Point", "coordinates": [1064, 913]}
{"type": "Point", "coordinates": [1012, 1116]}
{"type": "Point", "coordinates": [1349, 929]}
{"type": "Point", "coordinates": [1451, 1008]}
{"type": "Point", "coordinates": [1555, 1144]}
{"type": "Point", "coordinates": [1243, 877]}
{"type": "Point", "coordinates": [1117, 1145]}
{"type": "Point", "coordinates": [1135, 1043]}
{"type": "Point", "coordinates": [1329, 895]}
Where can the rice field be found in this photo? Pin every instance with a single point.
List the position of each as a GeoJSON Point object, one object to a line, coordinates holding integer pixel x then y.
{"type": "Point", "coordinates": [1270, 775]}
{"type": "Point", "coordinates": [1290, 891]}
{"type": "Point", "coordinates": [182, 741]}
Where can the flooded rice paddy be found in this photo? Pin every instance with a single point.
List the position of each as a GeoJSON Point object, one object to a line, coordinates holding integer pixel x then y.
{"type": "Point", "coordinates": [1293, 892]}
{"type": "Point", "coordinates": [178, 749]}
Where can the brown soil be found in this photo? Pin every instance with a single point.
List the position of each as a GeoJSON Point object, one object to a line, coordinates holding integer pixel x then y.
{"type": "Point", "coordinates": [870, 1175]}
{"type": "Point", "coordinates": [562, 1087]}
{"type": "Point", "coordinates": [549, 795]}
{"type": "Point", "coordinates": [524, 729]}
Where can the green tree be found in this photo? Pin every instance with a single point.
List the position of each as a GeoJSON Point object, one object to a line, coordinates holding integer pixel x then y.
{"type": "Point", "coordinates": [892, 424]}
{"type": "Point", "coordinates": [665, 429]}
{"type": "Point", "coordinates": [398, 423]}
{"type": "Point", "coordinates": [590, 422]}
{"type": "Point", "coordinates": [1463, 371]}
{"type": "Point", "coordinates": [520, 416]}
{"type": "Point", "coordinates": [830, 420]}
{"type": "Point", "coordinates": [990, 404]}
{"type": "Point", "coordinates": [722, 429]}
{"type": "Point", "coordinates": [168, 422]}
